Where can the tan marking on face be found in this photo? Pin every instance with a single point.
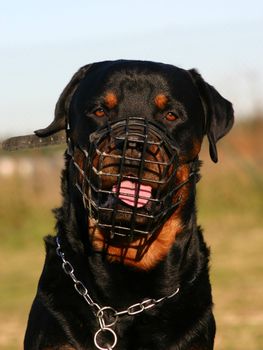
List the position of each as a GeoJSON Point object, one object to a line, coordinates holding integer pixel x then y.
{"type": "Point", "coordinates": [161, 101]}
{"type": "Point", "coordinates": [79, 160]}
{"type": "Point", "coordinates": [195, 149]}
{"type": "Point", "coordinates": [110, 100]}
{"type": "Point", "coordinates": [160, 247]}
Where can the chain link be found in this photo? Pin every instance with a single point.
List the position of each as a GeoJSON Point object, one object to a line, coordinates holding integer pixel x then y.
{"type": "Point", "coordinates": [78, 285]}
{"type": "Point", "coordinates": [107, 316]}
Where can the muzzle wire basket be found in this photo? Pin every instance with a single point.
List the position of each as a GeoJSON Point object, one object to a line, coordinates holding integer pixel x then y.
{"type": "Point", "coordinates": [136, 152]}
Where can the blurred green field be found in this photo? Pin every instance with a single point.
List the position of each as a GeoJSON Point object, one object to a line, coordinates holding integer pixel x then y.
{"type": "Point", "coordinates": [230, 209]}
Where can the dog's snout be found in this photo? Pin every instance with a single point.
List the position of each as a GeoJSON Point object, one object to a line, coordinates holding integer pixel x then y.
{"type": "Point", "coordinates": [135, 144]}
{"type": "Point", "coordinates": [119, 144]}
{"type": "Point", "coordinates": [132, 144]}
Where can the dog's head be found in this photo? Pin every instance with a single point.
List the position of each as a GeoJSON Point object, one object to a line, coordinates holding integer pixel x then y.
{"type": "Point", "coordinates": [135, 130]}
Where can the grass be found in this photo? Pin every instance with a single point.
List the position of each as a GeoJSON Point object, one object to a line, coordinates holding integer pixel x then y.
{"type": "Point", "coordinates": [229, 209]}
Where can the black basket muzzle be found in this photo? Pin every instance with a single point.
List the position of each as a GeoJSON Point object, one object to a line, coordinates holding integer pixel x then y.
{"type": "Point", "coordinates": [127, 178]}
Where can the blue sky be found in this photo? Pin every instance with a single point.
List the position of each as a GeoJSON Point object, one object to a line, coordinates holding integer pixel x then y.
{"type": "Point", "coordinates": [43, 43]}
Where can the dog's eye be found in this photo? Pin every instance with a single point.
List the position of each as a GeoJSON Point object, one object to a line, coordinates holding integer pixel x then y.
{"type": "Point", "coordinates": [171, 116]}
{"type": "Point", "coordinates": [99, 112]}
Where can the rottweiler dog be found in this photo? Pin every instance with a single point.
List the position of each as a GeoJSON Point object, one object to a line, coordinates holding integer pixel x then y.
{"type": "Point", "coordinates": [128, 267]}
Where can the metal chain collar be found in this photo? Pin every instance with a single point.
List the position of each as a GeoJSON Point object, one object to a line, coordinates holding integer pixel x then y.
{"type": "Point", "coordinates": [106, 312]}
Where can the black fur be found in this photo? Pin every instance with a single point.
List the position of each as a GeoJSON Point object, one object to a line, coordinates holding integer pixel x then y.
{"type": "Point", "coordinates": [60, 318]}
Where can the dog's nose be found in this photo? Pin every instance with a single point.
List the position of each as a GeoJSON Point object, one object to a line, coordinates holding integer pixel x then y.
{"type": "Point", "coordinates": [130, 146]}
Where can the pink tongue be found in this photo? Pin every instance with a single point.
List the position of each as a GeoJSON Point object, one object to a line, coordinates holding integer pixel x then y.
{"type": "Point", "coordinates": [129, 191]}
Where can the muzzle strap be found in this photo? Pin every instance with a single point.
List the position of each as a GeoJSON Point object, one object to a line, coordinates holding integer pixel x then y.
{"type": "Point", "coordinates": [33, 141]}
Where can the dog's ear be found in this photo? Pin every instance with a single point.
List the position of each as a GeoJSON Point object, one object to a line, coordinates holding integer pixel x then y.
{"type": "Point", "coordinates": [219, 114]}
{"type": "Point", "coordinates": [62, 106]}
